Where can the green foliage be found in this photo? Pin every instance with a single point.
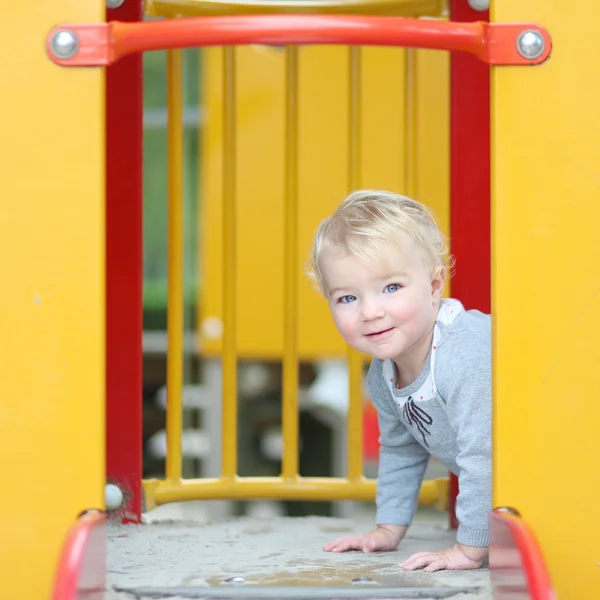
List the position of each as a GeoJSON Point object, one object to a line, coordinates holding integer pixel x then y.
{"type": "Point", "coordinates": [156, 180]}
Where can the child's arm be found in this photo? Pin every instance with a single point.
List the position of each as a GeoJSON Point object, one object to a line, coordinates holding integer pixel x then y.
{"type": "Point", "coordinates": [402, 460]}
{"type": "Point", "coordinates": [464, 382]}
{"type": "Point", "coordinates": [402, 464]}
{"type": "Point", "coordinates": [467, 383]}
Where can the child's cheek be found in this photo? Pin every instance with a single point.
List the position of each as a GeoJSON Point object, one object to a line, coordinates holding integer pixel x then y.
{"type": "Point", "coordinates": [344, 324]}
{"type": "Point", "coordinates": [407, 312]}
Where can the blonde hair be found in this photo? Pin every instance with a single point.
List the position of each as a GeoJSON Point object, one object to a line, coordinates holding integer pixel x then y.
{"type": "Point", "coordinates": [369, 221]}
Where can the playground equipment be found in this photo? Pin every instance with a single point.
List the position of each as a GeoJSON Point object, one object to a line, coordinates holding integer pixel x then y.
{"type": "Point", "coordinates": [59, 367]}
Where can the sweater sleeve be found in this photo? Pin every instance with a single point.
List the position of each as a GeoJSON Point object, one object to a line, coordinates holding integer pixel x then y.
{"type": "Point", "coordinates": [464, 382]}
{"type": "Point", "coordinates": [402, 460]}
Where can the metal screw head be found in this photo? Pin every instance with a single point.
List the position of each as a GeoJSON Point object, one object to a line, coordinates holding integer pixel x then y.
{"type": "Point", "coordinates": [479, 5]}
{"type": "Point", "coordinates": [64, 44]}
{"type": "Point", "coordinates": [114, 3]}
{"type": "Point", "coordinates": [509, 510]}
{"type": "Point", "coordinates": [235, 580]}
{"type": "Point", "coordinates": [530, 44]}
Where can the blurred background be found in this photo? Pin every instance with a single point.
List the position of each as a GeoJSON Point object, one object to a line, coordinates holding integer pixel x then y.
{"type": "Point", "coordinates": [389, 124]}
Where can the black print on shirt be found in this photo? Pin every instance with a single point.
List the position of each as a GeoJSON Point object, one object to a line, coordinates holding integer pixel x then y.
{"type": "Point", "coordinates": [417, 416]}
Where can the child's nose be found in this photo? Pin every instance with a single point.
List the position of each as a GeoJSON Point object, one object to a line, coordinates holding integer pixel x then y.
{"type": "Point", "coordinates": [371, 311]}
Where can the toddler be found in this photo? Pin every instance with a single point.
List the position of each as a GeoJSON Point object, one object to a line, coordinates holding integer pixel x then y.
{"type": "Point", "coordinates": [381, 262]}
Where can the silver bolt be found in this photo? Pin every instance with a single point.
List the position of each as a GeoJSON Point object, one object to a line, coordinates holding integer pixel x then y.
{"type": "Point", "coordinates": [235, 580]}
{"type": "Point", "coordinates": [114, 3]}
{"type": "Point", "coordinates": [509, 510]}
{"type": "Point", "coordinates": [479, 5]}
{"type": "Point", "coordinates": [530, 44]}
{"type": "Point", "coordinates": [113, 497]}
{"type": "Point", "coordinates": [64, 44]}
{"type": "Point", "coordinates": [362, 580]}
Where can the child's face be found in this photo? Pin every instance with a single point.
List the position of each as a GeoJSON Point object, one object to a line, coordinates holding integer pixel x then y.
{"type": "Point", "coordinates": [386, 312]}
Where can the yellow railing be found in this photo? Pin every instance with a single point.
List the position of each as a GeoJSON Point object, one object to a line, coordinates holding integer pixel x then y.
{"type": "Point", "coordinates": [290, 485]}
{"type": "Point", "coordinates": [175, 236]}
{"type": "Point", "coordinates": [229, 427]}
{"type": "Point", "coordinates": [193, 8]}
{"type": "Point", "coordinates": [290, 323]}
{"type": "Point", "coordinates": [355, 361]}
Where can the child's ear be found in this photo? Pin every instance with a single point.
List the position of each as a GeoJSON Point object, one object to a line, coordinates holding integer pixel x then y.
{"type": "Point", "coordinates": [437, 285]}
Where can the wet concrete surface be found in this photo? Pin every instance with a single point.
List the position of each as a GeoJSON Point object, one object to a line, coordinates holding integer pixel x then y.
{"type": "Point", "coordinates": [271, 557]}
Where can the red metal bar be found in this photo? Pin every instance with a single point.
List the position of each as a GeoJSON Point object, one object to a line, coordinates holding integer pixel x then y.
{"type": "Point", "coordinates": [81, 570]}
{"type": "Point", "coordinates": [470, 172]}
{"type": "Point", "coordinates": [469, 181]}
{"type": "Point", "coordinates": [104, 43]}
{"type": "Point", "coordinates": [517, 566]}
{"type": "Point", "coordinates": [452, 496]}
{"type": "Point", "coordinates": [124, 274]}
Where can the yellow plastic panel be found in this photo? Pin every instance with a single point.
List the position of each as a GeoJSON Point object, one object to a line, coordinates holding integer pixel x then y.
{"type": "Point", "coordinates": [432, 133]}
{"type": "Point", "coordinates": [52, 299]}
{"type": "Point", "coordinates": [323, 176]}
{"type": "Point", "coordinates": [546, 296]}
{"type": "Point", "coordinates": [383, 118]}
{"type": "Point", "coordinates": [260, 192]}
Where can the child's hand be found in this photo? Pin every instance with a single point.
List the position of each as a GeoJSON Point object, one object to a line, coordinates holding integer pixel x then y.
{"type": "Point", "coordinates": [382, 538]}
{"type": "Point", "coordinates": [458, 557]}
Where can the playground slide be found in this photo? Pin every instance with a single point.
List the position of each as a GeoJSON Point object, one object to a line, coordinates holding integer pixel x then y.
{"type": "Point", "coordinates": [517, 567]}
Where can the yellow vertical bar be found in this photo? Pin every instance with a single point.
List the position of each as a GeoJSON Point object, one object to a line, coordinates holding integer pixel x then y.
{"type": "Point", "coordinates": [290, 339]}
{"type": "Point", "coordinates": [383, 118]}
{"type": "Point", "coordinates": [229, 423]}
{"type": "Point", "coordinates": [52, 269]}
{"type": "Point", "coordinates": [354, 437]}
{"type": "Point", "coordinates": [175, 295]}
{"type": "Point", "coordinates": [545, 291]}
{"type": "Point", "coordinates": [410, 136]}
{"type": "Point", "coordinates": [431, 133]}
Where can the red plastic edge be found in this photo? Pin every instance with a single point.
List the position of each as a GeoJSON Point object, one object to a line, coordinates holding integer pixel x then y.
{"type": "Point", "coordinates": [124, 156]}
{"type": "Point", "coordinates": [509, 533]}
{"type": "Point", "coordinates": [82, 563]}
{"type": "Point", "coordinates": [105, 43]}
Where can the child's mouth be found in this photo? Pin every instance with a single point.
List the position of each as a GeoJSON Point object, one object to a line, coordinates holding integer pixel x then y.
{"type": "Point", "coordinates": [379, 333]}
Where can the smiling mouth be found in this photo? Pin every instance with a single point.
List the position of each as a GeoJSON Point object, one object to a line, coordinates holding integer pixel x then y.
{"type": "Point", "coordinates": [378, 333]}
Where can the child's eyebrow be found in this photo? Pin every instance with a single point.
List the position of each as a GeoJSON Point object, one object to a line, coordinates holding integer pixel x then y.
{"type": "Point", "coordinates": [335, 291]}
{"type": "Point", "coordinates": [393, 275]}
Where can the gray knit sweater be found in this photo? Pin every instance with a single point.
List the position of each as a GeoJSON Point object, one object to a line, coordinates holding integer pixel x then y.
{"type": "Point", "coordinates": [445, 413]}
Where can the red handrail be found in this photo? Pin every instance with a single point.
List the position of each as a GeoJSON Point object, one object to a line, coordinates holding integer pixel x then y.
{"type": "Point", "coordinates": [104, 43]}
{"type": "Point", "coordinates": [81, 566]}
{"type": "Point", "coordinates": [517, 565]}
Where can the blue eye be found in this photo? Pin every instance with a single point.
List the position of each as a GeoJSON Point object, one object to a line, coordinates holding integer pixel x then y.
{"type": "Point", "coordinates": [346, 299]}
{"type": "Point", "coordinates": [392, 287]}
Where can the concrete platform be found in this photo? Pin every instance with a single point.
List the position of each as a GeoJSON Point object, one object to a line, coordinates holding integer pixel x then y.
{"type": "Point", "coordinates": [276, 557]}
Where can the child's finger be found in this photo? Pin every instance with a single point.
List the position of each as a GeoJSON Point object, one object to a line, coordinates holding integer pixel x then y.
{"type": "Point", "coordinates": [413, 557]}
{"type": "Point", "coordinates": [330, 545]}
{"type": "Point", "coordinates": [437, 565]}
{"type": "Point", "coordinates": [333, 544]}
{"type": "Point", "coordinates": [418, 561]}
{"type": "Point", "coordinates": [342, 544]}
{"type": "Point", "coordinates": [350, 544]}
